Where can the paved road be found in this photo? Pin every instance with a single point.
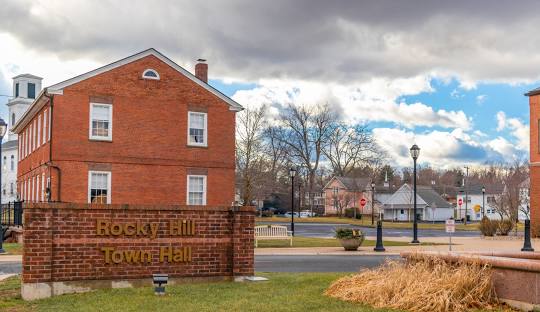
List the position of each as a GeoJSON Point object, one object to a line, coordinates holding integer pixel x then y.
{"type": "Point", "coordinates": [327, 230]}
{"type": "Point", "coordinates": [317, 263]}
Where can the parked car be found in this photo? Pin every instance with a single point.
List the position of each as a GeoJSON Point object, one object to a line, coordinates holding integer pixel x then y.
{"type": "Point", "coordinates": [288, 215]}
{"type": "Point", "coordinates": [306, 214]}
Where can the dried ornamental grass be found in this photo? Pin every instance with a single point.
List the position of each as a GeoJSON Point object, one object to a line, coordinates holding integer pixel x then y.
{"type": "Point", "coordinates": [425, 284]}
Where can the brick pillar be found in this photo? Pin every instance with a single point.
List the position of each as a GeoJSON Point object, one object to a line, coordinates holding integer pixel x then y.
{"type": "Point", "coordinates": [243, 241]}
{"type": "Point", "coordinates": [37, 252]}
{"type": "Point", "coordinates": [535, 200]}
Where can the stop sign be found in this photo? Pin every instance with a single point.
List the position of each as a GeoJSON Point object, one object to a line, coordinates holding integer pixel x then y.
{"type": "Point", "coordinates": [460, 201]}
{"type": "Point", "coordinates": [363, 202]}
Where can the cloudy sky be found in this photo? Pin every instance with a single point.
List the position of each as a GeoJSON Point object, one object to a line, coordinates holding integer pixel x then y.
{"type": "Point", "coordinates": [447, 75]}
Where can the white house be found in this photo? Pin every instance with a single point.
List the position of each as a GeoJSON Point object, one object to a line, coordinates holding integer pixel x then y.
{"type": "Point", "coordinates": [430, 205]}
{"type": "Point", "coordinates": [476, 200]}
{"type": "Point", "coordinates": [25, 88]}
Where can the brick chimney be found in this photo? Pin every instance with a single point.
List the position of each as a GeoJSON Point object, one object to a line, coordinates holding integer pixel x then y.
{"type": "Point", "coordinates": [201, 70]}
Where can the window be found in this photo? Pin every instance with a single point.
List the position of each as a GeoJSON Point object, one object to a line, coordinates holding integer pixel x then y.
{"type": "Point", "coordinates": [12, 162]}
{"type": "Point", "coordinates": [11, 188]}
{"type": "Point", "coordinates": [150, 74]}
{"type": "Point", "coordinates": [17, 89]}
{"type": "Point", "coordinates": [44, 126]}
{"type": "Point", "coordinates": [39, 131]}
{"type": "Point", "coordinates": [196, 190]}
{"type": "Point", "coordinates": [31, 90]}
{"type": "Point", "coordinates": [12, 119]}
{"type": "Point", "coordinates": [402, 211]}
{"type": "Point", "coordinates": [43, 187]}
{"type": "Point", "coordinates": [101, 121]}
{"type": "Point", "coordinates": [99, 187]}
{"type": "Point", "coordinates": [197, 133]}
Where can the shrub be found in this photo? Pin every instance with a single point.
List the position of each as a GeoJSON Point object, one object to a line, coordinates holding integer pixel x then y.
{"type": "Point", "coordinates": [505, 226]}
{"type": "Point", "coordinates": [349, 213]}
{"type": "Point", "coordinates": [267, 213]}
{"type": "Point", "coordinates": [347, 233]}
{"type": "Point", "coordinates": [488, 227]}
{"type": "Point", "coordinates": [444, 287]}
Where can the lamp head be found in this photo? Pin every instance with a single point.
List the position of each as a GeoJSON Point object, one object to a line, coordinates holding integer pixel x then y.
{"type": "Point", "coordinates": [292, 172]}
{"type": "Point", "coordinates": [415, 151]}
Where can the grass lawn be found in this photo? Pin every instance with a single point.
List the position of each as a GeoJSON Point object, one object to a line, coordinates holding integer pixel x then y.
{"type": "Point", "coordinates": [12, 248]}
{"type": "Point", "coordinates": [365, 222]}
{"type": "Point", "coordinates": [283, 292]}
{"type": "Point", "coordinates": [299, 241]}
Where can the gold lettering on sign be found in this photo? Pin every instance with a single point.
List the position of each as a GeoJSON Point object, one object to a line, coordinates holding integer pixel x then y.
{"type": "Point", "coordinates": [182, 254]}
{"type": "Point", "coordinates": [183, 228]}
{"type": "Point", "coordinates": [128, 256]}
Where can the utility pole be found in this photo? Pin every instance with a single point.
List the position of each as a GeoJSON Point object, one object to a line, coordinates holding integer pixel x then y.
{"type": "Point", "coordinates": [466, 185]}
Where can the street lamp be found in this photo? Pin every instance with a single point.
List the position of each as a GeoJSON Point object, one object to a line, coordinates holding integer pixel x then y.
{"type": "Point", "coordinates": [415, 152]}
{"type": "Point", "coordinates": [292, 173]}
{"type": "Point", "coordinates": [3, 129]}
{"type": "Point", "coordinates": [372, 202]}
{"type": "Point", "coordinates": [483, 200]}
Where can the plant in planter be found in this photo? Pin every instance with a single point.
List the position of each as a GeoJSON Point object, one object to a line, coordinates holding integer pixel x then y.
{"type": "Point", "coordinates": [350, 239]}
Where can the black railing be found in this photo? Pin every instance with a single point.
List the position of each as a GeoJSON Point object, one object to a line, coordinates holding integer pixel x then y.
{"type": "Point", "coordinates": [12, 214]}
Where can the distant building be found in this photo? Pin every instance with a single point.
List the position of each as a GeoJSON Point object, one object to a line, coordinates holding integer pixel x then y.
{"type": "Point", "coordinates": [25, 89]}
{"type": "Point", "coordinates": [430, 205]}
{"type": "Point", "coordinates": [342, 193]}
{"type": "Point", "coordinates": [473, 202]}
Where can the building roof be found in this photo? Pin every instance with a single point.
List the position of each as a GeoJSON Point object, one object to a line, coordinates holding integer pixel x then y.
{"type": "Point", "coordinates": [476, 189]}
{"type": "Point", "coordinates": [526, 183]}
{"type": "Point", "coordinates": [351, 184]}
{"type": "Point", "coordinates": [425, 196]}
{"type": "Point", "coordinates": [27, 76]}
{"type": "Point", "coordinates": [533, 92]}
{"type": "Point", "coordinates": [59, 87]}
{"type": "Point", "coordinates": [10, 144]}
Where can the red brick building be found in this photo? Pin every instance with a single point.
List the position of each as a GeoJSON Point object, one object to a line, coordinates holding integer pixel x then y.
{"type": "Point", "coordinates": [534, 102]}
{"type": "Point", "coordinates": [141, 130]}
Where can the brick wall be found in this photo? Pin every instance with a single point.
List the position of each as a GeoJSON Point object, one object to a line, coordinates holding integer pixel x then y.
{"type": "Point", "coordinates": [61, 242]}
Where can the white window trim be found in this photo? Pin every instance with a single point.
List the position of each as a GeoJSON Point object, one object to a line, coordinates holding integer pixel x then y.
{"type": "Point", "coordinates": [44, 138]}
{"type": "Point", "coordinates": [205, 143]}
{"type": "Point", "coordinates": [96, 137]}
{"type": "Point", "coordinates": [204, 188]}
{"type": "Point", "coordinates": [150, 70]}
{"type": "Point", "coordinates": [39, 130]}
{"type": "Point", "coordinates": [109, 187]}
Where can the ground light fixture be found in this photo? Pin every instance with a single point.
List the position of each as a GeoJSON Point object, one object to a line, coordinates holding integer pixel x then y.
{"type": "Point", "coordinates": [3, 129]}
{"type": "Point", "coordinates": [415, 152]}
{"type": "Point", "coordinates": [292, 173]}
{"type": "Point", "coordinates": [160, 280]}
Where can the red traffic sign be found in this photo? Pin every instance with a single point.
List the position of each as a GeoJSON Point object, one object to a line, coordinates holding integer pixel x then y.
{"type": "Point", "coordinates": [460, 201]}
{"type": "Point", "coordinates": [363, 202]}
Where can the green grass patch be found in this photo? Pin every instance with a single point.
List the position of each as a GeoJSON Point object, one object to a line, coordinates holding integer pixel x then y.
{"type": "Point", "coordinates": [283, 292]}
{"type": "Point", "coordinates": [12, 248]}
{"type": "Point", "coordinates": [299, 241]}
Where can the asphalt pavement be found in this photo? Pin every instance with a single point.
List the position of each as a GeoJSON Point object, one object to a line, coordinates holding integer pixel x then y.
{"type": "Point", "coordinates": [10, 268]}
{"type": "Point", "coordinates": [327, 230]}
{"type": "Point", "coordinates": [319, 263]}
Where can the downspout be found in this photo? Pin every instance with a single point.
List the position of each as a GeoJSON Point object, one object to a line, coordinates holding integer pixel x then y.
{"type": "Point", "coordinates": [50, 163]}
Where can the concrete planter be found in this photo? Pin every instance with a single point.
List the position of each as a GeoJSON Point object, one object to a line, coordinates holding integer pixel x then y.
{"type": "Point", "coordinates": [351, 244]}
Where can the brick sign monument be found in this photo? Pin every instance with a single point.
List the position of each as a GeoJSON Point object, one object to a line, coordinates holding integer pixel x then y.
{"type": "Point", "coordinates": [79, 247]}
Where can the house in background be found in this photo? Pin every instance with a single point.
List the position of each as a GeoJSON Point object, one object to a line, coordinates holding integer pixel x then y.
{"type": "Point", "coordinates": [141, 130]}
{"type": "Point", "coordinates": [474, 201]}
{"type": "Point", "coordinates": [430, 205]}
{"type": "Point", "coordinates": [341, 193]}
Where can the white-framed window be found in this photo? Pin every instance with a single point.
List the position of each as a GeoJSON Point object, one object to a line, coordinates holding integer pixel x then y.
{"type": "Point", "coordinates": [196, 190]}
{"type": "Point", "coordinates": [39, 130]}
{"type": "Point", "coordinates": [197, 129]}
{"type": "Point", "coordinates": [99, 187]}
{"type": "Point", "coordinates": [100, 121]}
{"type": "Point", "coordinates": [43, 187]}
{"type": "Point", "coordinates": [49, 124]}
{"type": "Point", "coordinates": [150, 74]}
{"type": "Point", "coordinates": [12, 164]}
{"type": "Point", "coordinates": [44, 126]}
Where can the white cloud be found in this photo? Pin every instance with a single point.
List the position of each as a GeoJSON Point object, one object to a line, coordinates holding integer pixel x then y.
{"type": "Point", "coordinates": [375, 100]}
{"type": "Point", "coordinates": [501, 120]}
{"type": "Point", "coordinates": [480, 99]}
{"type": "Point", "coordinates": [516, 128]}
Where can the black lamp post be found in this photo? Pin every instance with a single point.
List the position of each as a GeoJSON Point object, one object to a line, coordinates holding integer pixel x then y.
{"type": "Point", "coordinates": [415, 152]}
{"type": "Point", "coordinates": [3, 129]}
{"type": "Point", "coordinates": [292, 173]}
{"type": "Point", "coordinates": [483, 201]}
{"type": "Point", "coordinates": [372, 203]}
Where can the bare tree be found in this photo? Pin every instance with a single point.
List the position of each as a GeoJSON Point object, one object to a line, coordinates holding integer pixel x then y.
{"type": "Point", "coordinates": [249, 149]}
{"type": "Point", "coordinates": [303, 131]}
{"type": "Point", "coordinates": [349, 147]}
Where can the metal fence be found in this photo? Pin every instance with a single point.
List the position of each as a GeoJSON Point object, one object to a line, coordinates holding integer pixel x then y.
{"type": "Point", "coordinates": [11, 214]}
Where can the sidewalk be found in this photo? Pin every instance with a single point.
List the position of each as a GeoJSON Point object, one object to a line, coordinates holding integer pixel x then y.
{"type": "Point", "coordinates": [469, 244]}
{"type": "Point", "coordinates": [10, 258]}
